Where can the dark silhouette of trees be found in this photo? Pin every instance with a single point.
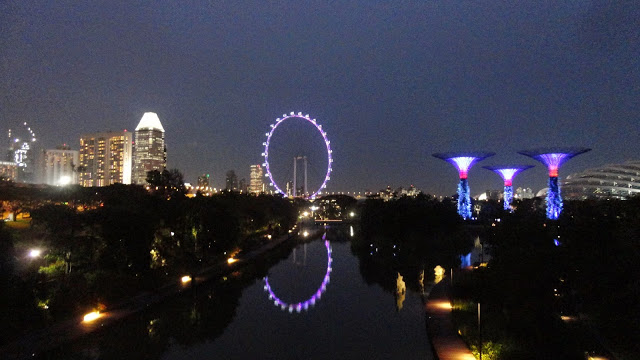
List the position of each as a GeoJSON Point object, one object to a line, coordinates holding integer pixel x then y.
{"type": "Point", "coordinates": [168, 183]}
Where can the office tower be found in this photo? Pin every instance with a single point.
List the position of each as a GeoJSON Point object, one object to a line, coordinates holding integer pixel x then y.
{"type": "Point", "coordinates": [256, 184]}
{"type": "Point", "coordinates": [203, 181]}
{"type": "Point", "coordinates": [21, 152]}
{"type": "Point", "coordinates": [105, 158]}
{"type": "Point", "coordinates": [149, 152]}
{"type": "Point", "coordinates": [59, 166]}
{"type": "Point", "coordinates": [8, 171]}
{"type": "Point", "coordinates": [231, 181]}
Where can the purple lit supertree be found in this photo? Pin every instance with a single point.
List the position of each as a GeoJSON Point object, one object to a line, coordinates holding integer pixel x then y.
{"type": "Point", "coordinates": [463, 162]}
{"type": "Point", "coordinates": [553, 158]}
{"type": "Point", "coordinates": [508, 173]}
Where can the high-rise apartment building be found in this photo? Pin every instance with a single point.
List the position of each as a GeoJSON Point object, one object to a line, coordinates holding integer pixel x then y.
{"type": "Point", "coordinates": [150, 152]}
{"type": "Point", "coordinates": [203, 181]}
{"type": "Point", "coordinates": [58, 167]}
{"type": "Point", "coordinates": [256, 183]}
{"type": "Point", "coordinates": [105, 158]}
{"type": "Point", "coordinates": [231, 181]}
{"type": "Point", "coordinates": [8, 171]}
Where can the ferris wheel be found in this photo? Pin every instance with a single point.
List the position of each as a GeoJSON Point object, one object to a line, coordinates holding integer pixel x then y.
{"type": "Point", "coordinates": [268, 157]}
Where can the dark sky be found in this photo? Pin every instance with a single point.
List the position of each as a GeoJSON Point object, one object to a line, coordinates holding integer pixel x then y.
{"type": "Point", "coordinates": [391, 82]}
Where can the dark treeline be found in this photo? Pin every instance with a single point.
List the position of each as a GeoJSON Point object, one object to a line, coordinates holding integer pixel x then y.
{"type": "Point", "coordinates": [196, 317]}
{"type": "Point", "coordinates": [101, 245]}
{"type": "Point", "coordinates": [583, 267]}
{"type": "Point", "coordinates": [409, 236]}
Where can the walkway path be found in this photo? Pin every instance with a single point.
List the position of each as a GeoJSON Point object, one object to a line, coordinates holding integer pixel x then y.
{"type": "Point", "coordinates": [65, 331]}
{"type": "Point", "coordinates": [445, 340]}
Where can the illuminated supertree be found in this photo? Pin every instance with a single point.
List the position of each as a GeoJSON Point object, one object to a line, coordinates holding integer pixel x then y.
{"type": "Point", "coordinates": [553, 158]}
{"type": "Point", "coordinates": [463, 162]}
{"type": "Point", "coordinates": [508, 173]}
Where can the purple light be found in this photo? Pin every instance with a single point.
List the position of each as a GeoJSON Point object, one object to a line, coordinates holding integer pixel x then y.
{"type": "Point", "coordinates": [316, 296]}
{"type": "Point", "coordinates": [508, 172]}
{"type": "Point", "coordinates": [324, 137]}
{"type": "Point", "coordinates": [553, 158]}
{"type": "Point", "coordinates": [553, 161]}
{"type": "Point", "coordinates": [463, 164]}
{"type": "Point", "coordinates": [507, 175]}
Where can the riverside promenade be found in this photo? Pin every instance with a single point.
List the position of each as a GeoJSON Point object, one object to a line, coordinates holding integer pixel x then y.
{"type": "Point", "coordinates": [41, 341]}
{"type": "Point", "coordinates": [445, 341]}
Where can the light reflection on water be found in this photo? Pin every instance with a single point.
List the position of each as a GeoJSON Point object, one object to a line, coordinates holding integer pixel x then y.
{"type": "Point", "coordinates": [356, 316]}
{"type": "Point", "coordinates": [311, 301]}
{"type": "Point", "coordinates": [353, 319]}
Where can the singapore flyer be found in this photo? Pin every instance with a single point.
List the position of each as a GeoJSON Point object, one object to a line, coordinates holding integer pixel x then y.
{"type": "Point", "coordinates": [297, 156]}
{"type": "Point", "coordinates": [311, 301]}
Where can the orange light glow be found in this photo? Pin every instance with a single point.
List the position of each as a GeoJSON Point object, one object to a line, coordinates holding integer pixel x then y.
{"type": "Point", "coordinates": [185, 279]}
{"type": "Point", "coordinates": [91, 316]}
{"type": "Point", "coordinates": [231, 260]}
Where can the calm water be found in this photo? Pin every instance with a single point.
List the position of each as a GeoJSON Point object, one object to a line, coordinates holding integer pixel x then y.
{"type": "Point", "coordinates": [348, 318]}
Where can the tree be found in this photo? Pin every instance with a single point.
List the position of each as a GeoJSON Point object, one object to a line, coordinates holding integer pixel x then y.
{"type": "Point", "coordinates": [168, 183]}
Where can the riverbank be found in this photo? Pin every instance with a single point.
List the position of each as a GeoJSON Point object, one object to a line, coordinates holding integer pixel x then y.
{"type": "Point", "coordinates": [41, 341]}
{"type": "Point", "coordinates": [446, 343]}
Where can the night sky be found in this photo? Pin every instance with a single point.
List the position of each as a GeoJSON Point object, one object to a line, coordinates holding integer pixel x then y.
{"type": "Point", "coordinates": [392, 82]}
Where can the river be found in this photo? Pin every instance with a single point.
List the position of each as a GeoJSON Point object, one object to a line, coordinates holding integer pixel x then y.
{"type": "Point", "coordinates": [314, 300]}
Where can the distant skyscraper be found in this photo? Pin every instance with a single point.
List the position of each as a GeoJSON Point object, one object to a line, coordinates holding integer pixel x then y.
{"type": "Point", "coordinates": [242, 185]}
{"type": "Point", "coordinates": [203, 181]}
{"type": "Point", "coordinates": [105, 159]}
{"type": "Point", "coordinates": [21, 152]}
{"type": "Point", "coordinates": [149, 150]}
{"type": "Point", "coordinates": [59, 166]}
{"type": "Point", "coordinates": [231, 183]}
{"type": "Point", "coordinates": [256, 183]}
{"type": "Point", "coordinates": [8, 171]}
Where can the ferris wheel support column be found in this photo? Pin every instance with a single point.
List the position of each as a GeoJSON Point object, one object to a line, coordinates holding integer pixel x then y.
{"type": "Point", "coordinates": [295, 175]}
{"type": "Point", "coordinates": [306, 193]}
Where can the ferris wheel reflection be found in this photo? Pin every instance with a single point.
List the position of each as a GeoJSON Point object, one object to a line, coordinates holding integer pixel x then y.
{"type": "Point", "coordinates": [303, 305]}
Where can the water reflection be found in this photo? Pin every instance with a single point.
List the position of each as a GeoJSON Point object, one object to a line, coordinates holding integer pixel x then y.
{"type": "Point", "coordinates": [303, 305]}
{"type": "Point", "coordinates": [232, 319]}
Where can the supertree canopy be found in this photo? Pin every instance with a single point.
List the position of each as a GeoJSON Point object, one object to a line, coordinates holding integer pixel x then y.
{"type": "Point", "coordinates": [553, 158]}
{"type": "Point", "coordinates": [508, 173]}
{"type": "Point", "coordinates": [463, 162]}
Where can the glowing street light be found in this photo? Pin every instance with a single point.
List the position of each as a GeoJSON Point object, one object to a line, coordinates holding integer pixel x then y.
{"type": "Point", "coordinates": [34, 253]}
{"type": "Point", "coordinates": [92, 316]}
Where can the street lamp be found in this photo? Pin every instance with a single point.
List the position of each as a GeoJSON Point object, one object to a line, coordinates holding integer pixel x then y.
{"type": "Point", "coordinates": [34, 253]}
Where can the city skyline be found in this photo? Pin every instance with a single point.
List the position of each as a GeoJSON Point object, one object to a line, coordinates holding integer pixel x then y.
{"type": "Point", "coordinates": [391, 83]}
